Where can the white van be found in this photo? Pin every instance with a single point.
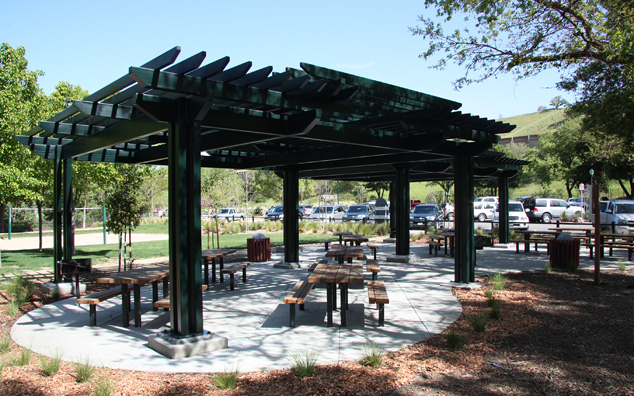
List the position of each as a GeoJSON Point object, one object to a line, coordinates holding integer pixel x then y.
{"type": "Point", "coordinates": [484, 207]}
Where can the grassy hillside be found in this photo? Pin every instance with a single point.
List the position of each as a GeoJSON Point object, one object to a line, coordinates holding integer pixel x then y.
{"type": "Point", "coordinates": [534, 123]}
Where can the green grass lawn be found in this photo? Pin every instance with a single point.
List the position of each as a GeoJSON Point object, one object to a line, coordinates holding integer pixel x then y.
{"type": "Point", "coordinates": [17, 261]}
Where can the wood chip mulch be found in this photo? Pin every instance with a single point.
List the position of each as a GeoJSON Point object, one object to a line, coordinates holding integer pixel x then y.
{"type": "Point", "coordinates": [559, 334]}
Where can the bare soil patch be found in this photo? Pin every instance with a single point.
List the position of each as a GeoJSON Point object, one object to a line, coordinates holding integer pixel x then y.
{"type": "Point", "coordinates": [559, 334]}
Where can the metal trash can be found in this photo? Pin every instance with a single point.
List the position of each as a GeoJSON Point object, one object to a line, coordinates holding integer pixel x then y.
{"type": "Point", "coordinates": [259, 249]}
{"type": "Point", "coordinates": [564, 252]}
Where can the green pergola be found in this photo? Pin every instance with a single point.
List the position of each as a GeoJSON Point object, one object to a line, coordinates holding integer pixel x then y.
{"type": "Point", "coordinates": [311, 122]}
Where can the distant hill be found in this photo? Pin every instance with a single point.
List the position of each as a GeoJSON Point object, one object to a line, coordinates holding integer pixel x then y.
{"type": "Point", "coordinates": [534, 123]}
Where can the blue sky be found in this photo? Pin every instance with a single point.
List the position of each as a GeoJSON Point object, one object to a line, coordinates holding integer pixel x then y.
{"type": "Point", "coordinates": [91, 43]}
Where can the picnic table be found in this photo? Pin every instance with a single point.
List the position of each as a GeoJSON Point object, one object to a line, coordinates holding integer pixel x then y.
{"type": "Point", "coordinates": [528, 240]}
{"type": "Point", "coordinates": [341, 252]}
{"type": "Point", "coordinates": [355, 239]}
{"type": "Point", "coordinates": [334, 275]}
{"type": "Point", "coordinates": [213, 255]}
{"type": "Point", "coordinates": [137, 277]}
{"type": "Point", "coordinates": [449, 240]}
{"type": "Point", "coordinates": [341, 234]}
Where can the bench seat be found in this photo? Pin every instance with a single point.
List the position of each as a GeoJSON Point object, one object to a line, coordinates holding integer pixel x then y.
{"type": "Point", "coordinates": [373, 267]}
{"type": "Point", "coordinates": [434, 245]}
{"type": "Point", "coordinates": [297, 296]}
{"type": "Point", "coordinates": [374, 247]}
{"type": "Point", "coordinates": [95, 298]}
{"type": "Point", "coordinates": [378, 295]}
{"type": "Point", "coordinates": [326, 243]}
{"type": "Point", "coordinates": [534, 241]}
{"type": "Point", "coordinates": [232, 269]}
{"type": "Point", "coordinates": [165, 301]}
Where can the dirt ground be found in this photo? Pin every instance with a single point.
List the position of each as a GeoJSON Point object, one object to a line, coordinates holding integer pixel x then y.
{"type": "Point", "coordinates": [559, 334]}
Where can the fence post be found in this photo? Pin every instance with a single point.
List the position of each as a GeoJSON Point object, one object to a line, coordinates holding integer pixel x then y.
{"type": "Point", "coordinates": [104, 224]}
{"type": "Point", "coordinates": [9, 222]}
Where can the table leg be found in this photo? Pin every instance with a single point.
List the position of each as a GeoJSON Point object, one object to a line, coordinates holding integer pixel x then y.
{"type": "Point", "coordinates": [166, 290]}
{"type": "Point", "coordinates": [222, 266]}
{"type": "Point", "coordinates": [329, 309]}
{"type": "Point", "coordinates": [137, 305]}
{"type": "Point", "coordinates": [213, 270]}
{"type": "Point", "coordinates": [154, 294]}
{"type": "Point", "coordinates": [206, 265]}
{"type": "Point", "coordinates": [527, 236]}
{"type": "Point", "coordinates": [125, 305]}
{"type": "Point", "coordinates": [344, 305]}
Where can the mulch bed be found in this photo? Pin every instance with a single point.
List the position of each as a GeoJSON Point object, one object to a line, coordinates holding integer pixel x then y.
{"type": "Point", "coordinates": [559, 334]}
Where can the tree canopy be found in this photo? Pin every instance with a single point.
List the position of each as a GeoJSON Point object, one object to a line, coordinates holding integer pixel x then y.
{"type": "Point", "coordinates": [525, 37]}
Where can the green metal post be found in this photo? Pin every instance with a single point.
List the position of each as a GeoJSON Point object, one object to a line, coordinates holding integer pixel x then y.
{"type": "Point", "coordinates": [184, 226]}
{"type": "Point", "coordinates": [10, 215]}
{"type": "Point", "coordinates": [67, 191]}
{"type": "Point", "coordinates": [57, 214]}
{"type": "Point", "coordinates": [290, 200]}
{"type": "Point", "coordinates": [503, 192]}
{"type": "Point", "coordinates": [104, 225]}
{"type": "Point", "coordinates": [465, 257]}
{"type": "Point", "coordinates": [401, 210]}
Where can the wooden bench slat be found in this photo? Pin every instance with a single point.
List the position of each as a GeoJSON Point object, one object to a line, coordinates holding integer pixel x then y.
{"type": "Point", "coordinates": [97, 297]}
{"type": "Point", "coordinates": [165, 301]}
{"type": "Point", "coordinates": [377, 292]}
{"type": "Point", "coordinates": [299, 293]}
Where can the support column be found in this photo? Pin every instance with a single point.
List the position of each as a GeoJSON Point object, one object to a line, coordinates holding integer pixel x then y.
{"type": "Point", "coordinates": [392, 210]}
{"type": "Point", "coordinates": [57, 214]}
{"type": "Point", "coordinates": [402, 207]}
{"type": "Point", "coordinates": [290, 200]}
{"type": "Point", "coordinates": [465, 257]}
{"type": "Point", "coordinates": [184, 227]}
{"type": "Point", "coordinates": [503, 192]}
{"type": "Point", "coordinates": [67, 191]}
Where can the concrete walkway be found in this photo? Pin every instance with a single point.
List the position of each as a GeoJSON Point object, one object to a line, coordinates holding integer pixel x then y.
{"type": "Point", "coordinates": [256, 322]}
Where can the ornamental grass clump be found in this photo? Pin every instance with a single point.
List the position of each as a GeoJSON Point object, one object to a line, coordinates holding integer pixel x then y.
{"type": "Point", "coordinates": [498, 281]}
{"type": "Point", "coordinates": [104, 386]}
{"type": "Point", "coordinates": [372, 355]}
{"type": "Point", "coordinates": [50, 366]}
{"type": "Point", "coordinates": [454, 340]}
{"type": "Point", "coordinates": [226, 380]}
{"type": "Point", "coordinates": [479, 323]}
{"type": "Point", "coordinates": [304, 362]}
{"type": "Point", "coordinates": [83, 371]}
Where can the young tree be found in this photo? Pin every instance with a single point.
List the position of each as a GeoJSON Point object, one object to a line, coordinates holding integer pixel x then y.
{"type": "Point", "coordinates": [124, 206]}
{"type": "Point", "coordinates": [21, 101]}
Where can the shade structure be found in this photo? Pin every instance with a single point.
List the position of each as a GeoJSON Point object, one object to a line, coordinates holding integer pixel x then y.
{"type": "Point", "coordinates": [306, 122]}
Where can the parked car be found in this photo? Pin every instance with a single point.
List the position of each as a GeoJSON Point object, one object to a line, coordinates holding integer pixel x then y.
{"type": "Point", "coordinates": [277, 213]}
{"type": "Point", "coordinates": [328, 212]}
{"type": "Point", "coordinates": [446, 212]}
{"type": "Point", "coordinates": [484, 208]}
{"type": "Point", "coordinates": [423, 214]}
{"type": "Point", "coordinates": [544, 209]}
{"type": "Point", "coordinates": [413, 203]}
{"type": "Point", "coordinates": [358, 213]}
{"type": "Point", "coordinates": [306, 209]}
{"type": "Point", "coordinates": [517, 216]}
{"type": "Point", "coordinates": [621, 212]}
{"type": "Point", "coordinates": [230, 214]}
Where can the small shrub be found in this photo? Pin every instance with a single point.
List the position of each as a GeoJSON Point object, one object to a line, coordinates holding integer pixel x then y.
{"type": "Point", "coordinates": [498, 281]}
{"type": "Point", "coordinates": [226, 380]}
{"type": "Point", "coordinates": [83, 371]}
{"type": "Point", "coordinates": [453, 339]}
{"type": "Point", "coordinates": [622, 265]}
{"type": "Point", "coordinates": [492, 302]}
{"type": "Point", "coordinates": [5, 343]}
{"type": "Point", "coordinates": [496, 312]}
{"type": "Point", "coordinates": [23, 359]}
{"type": "Point", "coordinates": [50, 366]}
{"type": "Point", "coordinates": [479, 323]}
{"type": "Point", "coordinates": [304, 362]}
{"type": "Point", "coordinates": [372, 355]}
{"type": "Point", "coordinates": [103, 386]}
{"type": "Point", "coordinates": [547, 268]}
{"type": "Point", "coordinates": [12, 308]}
{"type": "Point", "coordinates": [488, 293]}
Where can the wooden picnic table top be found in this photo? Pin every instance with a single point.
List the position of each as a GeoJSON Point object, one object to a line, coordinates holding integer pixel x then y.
{"type": "Point", "coordinates": [216, 253]}
{"type": "Point", "coordinates": [344, 251]}
{"type": "Point", "coordinates": [341, 233]}
{"type": "Point", "coordinates": [337, 273]}
{"type": "Point", "coordinates": [137, 276]}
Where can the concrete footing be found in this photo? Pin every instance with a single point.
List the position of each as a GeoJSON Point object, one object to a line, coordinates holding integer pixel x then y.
{"type": "Point", "coordinates": [178, 348]}
{"type": "Point", "coordinates": [403, 258]}
{"type": "Point", "coordinates": [62, 288]}
{"type": "Point", "coordinates": [287, 265]}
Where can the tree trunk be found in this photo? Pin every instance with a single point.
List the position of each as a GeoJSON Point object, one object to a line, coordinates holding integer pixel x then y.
{"type": "Point", "coordinates": [120, 249]}
{"type": "Point", "coordinates": [2, 209]}
{"type": "Point", "coordinates": [40, 222]}
{"type": "Point", "coordinates": [627, 194]}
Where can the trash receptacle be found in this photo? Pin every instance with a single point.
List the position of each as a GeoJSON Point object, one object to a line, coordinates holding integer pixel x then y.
{"type": "Point", "coordinates": [564, 252]}
{"type": "Point", "coordinates": [259, 249]}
